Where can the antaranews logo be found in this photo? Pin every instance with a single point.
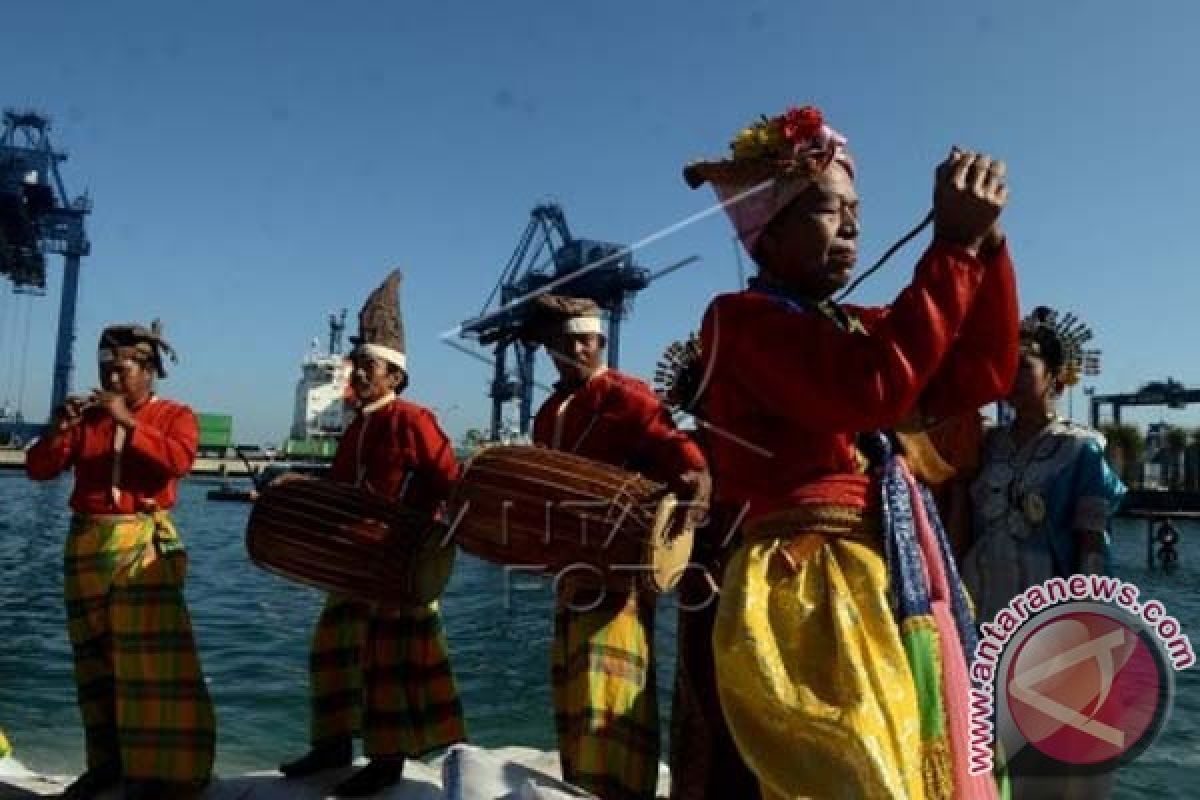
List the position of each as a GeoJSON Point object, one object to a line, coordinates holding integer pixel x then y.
{"type": "Point", "coordinates": [1076, 670]}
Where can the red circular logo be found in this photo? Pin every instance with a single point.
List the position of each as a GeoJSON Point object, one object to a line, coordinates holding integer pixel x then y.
{"type": "Point", "coordinates": [1086, 688]}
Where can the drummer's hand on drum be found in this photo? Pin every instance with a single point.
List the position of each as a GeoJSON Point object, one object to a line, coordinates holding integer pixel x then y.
{"type": "Point", "coordinates": [693, 490]}
{"type": "Point", "coordinates": [286, 477]}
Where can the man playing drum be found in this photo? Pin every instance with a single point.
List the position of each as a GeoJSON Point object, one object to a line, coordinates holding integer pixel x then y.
{"type": "Point", "coordinates": [392, 663]}
{"type": "Point", "coordinates": [146, 711]}
{"type": "Point", "coordinates": [606, 712]}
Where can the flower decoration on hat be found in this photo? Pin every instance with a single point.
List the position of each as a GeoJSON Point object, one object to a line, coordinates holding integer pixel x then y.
{"type": "Point", "coordinates": [771, 162]}
{"type": "Point", "coordinates": [796, 142]}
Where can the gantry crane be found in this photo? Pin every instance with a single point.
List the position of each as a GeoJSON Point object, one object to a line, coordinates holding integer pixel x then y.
{"type": "Point", "coordinates": [549, 258]}
{"type": "Point", "coordinates": [38, 218]}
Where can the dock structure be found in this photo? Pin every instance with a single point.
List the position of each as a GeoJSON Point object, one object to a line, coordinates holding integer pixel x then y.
{"type": "Point", "coordinates": [1162, 531]}
{"type": "Point", "coordinates": [1170, 393]}
{"type": "Point", "coordinates": [232, 467]}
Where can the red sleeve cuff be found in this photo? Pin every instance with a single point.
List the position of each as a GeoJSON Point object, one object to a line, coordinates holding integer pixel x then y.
{"type": "Point", "coordinates": [958, 253]}
{"type": "Point", "coordinates": [48, 456]}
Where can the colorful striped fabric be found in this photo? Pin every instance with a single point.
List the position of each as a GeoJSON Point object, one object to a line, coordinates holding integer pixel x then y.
{"type": "Point", "coordinates": [138, 677]}
{"type": "Point", "coordinates": [938, 632]}
{"type": "Point", "coordinates": [386, 673]}
{"type": "Point", "coordinates": [606, 712]}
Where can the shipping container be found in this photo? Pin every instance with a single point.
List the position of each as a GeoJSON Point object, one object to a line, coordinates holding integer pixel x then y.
{"type": "Point", "coordinates": [310, 448]}
{"type": "Point", "coordinates": [216, 433]}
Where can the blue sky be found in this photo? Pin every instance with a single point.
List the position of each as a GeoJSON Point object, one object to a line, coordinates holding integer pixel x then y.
{"type": "Point", "coordinates": [256, 165]}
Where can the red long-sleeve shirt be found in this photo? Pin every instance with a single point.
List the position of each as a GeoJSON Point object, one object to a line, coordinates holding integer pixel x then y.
{"type": "Point", "coordinates": [159, 451]}
{"type": "Point", "coordinates": [619, 420]}
{"type": "Point", "coordinates": [982, 362]}
{"type": "Point", "coordinates": [787, 391]}
{"type": "Point", "coordinates": [382, 448]}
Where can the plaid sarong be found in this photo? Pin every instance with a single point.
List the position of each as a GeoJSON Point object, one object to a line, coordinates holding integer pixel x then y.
{"type": "Point", "coordinates": [606, 712]}
{"type": "Point", "coordinates": [137, 673]}
{"type": "Point", "coordinates": [388, 670]}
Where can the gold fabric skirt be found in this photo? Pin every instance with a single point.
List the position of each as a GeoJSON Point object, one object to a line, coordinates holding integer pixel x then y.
{"type": "Point", "coordinates": [813, 676]}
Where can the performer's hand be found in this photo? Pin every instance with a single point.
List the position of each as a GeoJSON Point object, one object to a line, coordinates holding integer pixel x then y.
{"type": "Point", "coordinates": [68, 415]}
{"type": "Point", "coordinates": [116, 407]}
{"type": "Point", "coordinates": [969, 193]}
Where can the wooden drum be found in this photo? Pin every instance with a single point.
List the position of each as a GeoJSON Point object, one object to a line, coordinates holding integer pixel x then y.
{"type": "Point", "coordinates": [563, 514]}
{"type": "Point", "coordinates": [350, 542]}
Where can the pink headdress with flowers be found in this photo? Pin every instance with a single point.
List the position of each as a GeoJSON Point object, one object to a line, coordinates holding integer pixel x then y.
{"type": "Point", "coordinates": [773, 162]}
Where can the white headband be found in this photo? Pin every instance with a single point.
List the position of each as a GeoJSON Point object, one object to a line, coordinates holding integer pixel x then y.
{"type": "Point", "coordinates": [584, 325]}
{"type": "Point", "coordinates": [385, 353]}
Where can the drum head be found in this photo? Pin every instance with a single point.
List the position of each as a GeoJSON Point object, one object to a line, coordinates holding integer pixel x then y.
{"type": "Point", "coordinates": [668, 557]}
{"type": "Point", "coordinates": [432, 567]}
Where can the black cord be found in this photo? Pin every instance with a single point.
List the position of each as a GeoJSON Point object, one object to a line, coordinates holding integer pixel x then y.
{"type": "Point", "coordinates": [908, 237]}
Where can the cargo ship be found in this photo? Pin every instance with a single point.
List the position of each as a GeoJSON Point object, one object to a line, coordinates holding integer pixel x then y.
{"type": "Point", "coordinates": [321, 413]}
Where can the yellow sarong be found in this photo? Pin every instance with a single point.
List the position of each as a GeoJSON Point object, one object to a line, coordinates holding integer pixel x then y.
{"type": "Point", "coordinates": [605, 705]}
{"type": "Point", "coordinates": [140, 687]}
{"type": "Point", "coordinates": [813, 677]}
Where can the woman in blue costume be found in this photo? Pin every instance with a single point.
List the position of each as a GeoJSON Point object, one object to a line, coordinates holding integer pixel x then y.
{"type": "Point", "coordinates": [1044, 496]}
{"type": "Point", "coordinates": [1041, 507]}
